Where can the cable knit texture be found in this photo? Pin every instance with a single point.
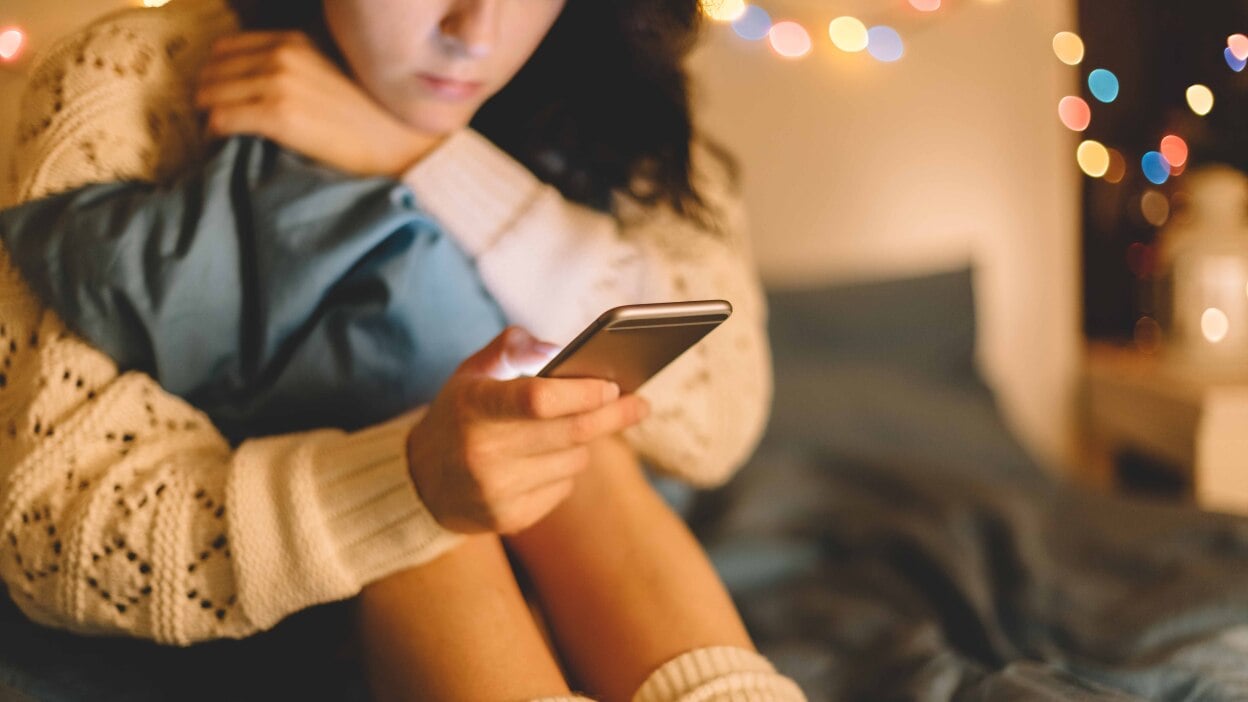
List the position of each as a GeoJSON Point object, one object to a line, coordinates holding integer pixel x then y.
{"type": "Point", "coordinates": [124, 510]}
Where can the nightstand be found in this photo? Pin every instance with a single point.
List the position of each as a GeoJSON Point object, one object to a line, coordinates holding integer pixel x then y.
{"type": "Point", "coordinates": [1193, 423]}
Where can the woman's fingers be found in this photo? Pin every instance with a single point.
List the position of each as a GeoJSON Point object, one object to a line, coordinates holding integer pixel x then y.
{"type": "Point", "coordinates": [544, 398]}
{"type": "Point", "coordinates": [236, 66]}
{"type": "Point", "coordinates": [256, 41]}
{"type": "Point", "coordinates": [561, 433]}
{"type": "Point", "coordinates": [258, 116]}
{"type": "Point", "coordinates": [230, 92]}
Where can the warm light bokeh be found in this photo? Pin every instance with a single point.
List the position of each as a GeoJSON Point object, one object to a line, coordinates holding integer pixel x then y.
{"type": "Point", "coordinates": [12, 40]}
{"type": "Point", "coordinates": [718, 10]}
{"type": "Point", "coordinates": [1074, 113]}
{"type": "Point", "coordinates": [1174, 149]}
{"type": "Point", "coordinates": [848, 34]}
{"type": "Point", "coordinates": [1200, 99]}
{"type": "Point", "coordinates": [789, 39]}
{"type": "Point", "coordinates": [1093, 158]}
{"type": "Point", "coordinates": [1214, 324]}
{"type": "Point", "coordinates": [1069, 48]}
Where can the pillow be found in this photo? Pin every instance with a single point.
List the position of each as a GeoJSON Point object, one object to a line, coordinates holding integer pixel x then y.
{"type": "Point", "coordinates": [885, 371]}
{"type": "Point", "coordinates": [924, 323]}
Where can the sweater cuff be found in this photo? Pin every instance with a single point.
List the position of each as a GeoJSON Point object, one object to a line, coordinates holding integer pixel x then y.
{"type": "Point", "coordinates": [718, 673]}
{"type": "Point", "coordinates": [372, 511]}
{"type": "Point", "coordinates": [473, 188]}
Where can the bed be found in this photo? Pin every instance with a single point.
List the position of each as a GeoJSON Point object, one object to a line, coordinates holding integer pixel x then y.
{"type": "Point", "coordinates": [890, 540]}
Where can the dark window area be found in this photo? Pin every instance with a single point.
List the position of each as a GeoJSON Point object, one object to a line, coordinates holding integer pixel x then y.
{"type": "Point", "coordinates": [1157, 48]}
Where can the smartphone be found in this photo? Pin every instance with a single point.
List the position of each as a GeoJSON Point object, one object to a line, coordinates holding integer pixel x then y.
{"type": "Point", "coordinates": [631, 343]}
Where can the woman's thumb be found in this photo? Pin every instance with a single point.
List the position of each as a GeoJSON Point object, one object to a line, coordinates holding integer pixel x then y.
{"type": "Point", "coordinates": [510, 354]}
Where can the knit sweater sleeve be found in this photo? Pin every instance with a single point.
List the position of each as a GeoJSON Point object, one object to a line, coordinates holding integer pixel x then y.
{"type": "Point", "coordinates": [554, 266]}
{"type": "Point", "coordinates": [123, 510]}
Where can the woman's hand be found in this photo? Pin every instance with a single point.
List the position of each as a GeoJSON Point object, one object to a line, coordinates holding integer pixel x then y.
{"type": "Point", "coordinates": [279, 85]}
{"type": "Point", "coordinates": [497, 455]}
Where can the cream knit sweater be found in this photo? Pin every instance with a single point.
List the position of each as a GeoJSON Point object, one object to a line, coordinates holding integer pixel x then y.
{"type": "Point", "coordinates": [125, 512]}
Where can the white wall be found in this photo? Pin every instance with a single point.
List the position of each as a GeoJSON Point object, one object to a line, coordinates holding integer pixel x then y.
{"type": "Point", "coordinates": [857, 169]}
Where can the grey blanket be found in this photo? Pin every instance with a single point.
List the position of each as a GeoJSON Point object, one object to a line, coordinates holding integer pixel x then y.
{"type": "Point", "coordinates": [872, 581]}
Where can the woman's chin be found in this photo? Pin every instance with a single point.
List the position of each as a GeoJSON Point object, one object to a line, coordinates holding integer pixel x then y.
{"type": "Point", "coordinates": [438, 119]}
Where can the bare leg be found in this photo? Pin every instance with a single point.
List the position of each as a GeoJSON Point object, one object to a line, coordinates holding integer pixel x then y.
{"type": "Point", "coordinates": [623, 583]}
{"type": "Point", "coordinates": [456, 628]}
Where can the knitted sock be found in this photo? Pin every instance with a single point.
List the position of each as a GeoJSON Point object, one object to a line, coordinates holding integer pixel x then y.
{"type": "Point", "coordinates": [718, 674]}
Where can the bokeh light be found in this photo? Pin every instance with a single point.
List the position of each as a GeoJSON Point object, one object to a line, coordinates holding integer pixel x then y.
{"type": "Point", "coordinates": [1147, 335]}
{"type": "Point", "coordinates": [1238, 44]}
{"type": "Point", "coordinates": [11, 41]}
{"type": "Point", "coordinates": [1155, 168]}
{"type": "Point", "coordinates": [1117, 167]}
{"type": "Point", "coordinates": [1068, 47]}
{"type": "Point", "coordinates": [1155, 208]}
{"type": "Point", "coordinates": [1074, 113]}
{"type": "Point", "coordinates": [1200, 99]}
{"type": "Point", "coordinates": [1175, 150]}
{"type": "Point", "coordinates": [718, 10]}
{"type": "Point", "coordinates": [789, 39]}
{"type": "Point", "coordinates": [1237, 64]}
{"type": "Point", "coordinates": [1214, 324]}
{"type": "Point", "coordinates": [925, 5]}
{"type": "Point", "coordinates": [884, 43]}
{"type": "Point", "coordinates": [1103, 84]}
{"type": "Point", "coordinates": [848, 34]}
{"type": "Point", "coordinates": [1093, 158]}
{"type": "Point", "coordinates": [754, 24]}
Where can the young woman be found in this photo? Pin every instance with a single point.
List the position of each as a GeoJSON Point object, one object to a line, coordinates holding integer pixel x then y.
{"type": "Point", "coordinates": [116, 494]}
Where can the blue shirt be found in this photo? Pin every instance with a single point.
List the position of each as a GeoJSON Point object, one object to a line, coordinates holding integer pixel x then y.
{"type": "Point", "coordinates": [271, 292]}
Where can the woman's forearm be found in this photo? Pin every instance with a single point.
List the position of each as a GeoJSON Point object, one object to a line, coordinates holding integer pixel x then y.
{"type": "Point", "coordinates": [554, 266]}
{"type": "Point", "coordinates": [126, 512]}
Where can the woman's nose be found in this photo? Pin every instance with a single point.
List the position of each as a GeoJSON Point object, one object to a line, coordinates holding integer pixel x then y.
{"type": "Point", "coordinates": [470, 26]}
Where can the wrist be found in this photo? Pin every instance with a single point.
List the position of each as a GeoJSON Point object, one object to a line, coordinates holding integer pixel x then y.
{"type": "Point", "coordinates": [412, 147]}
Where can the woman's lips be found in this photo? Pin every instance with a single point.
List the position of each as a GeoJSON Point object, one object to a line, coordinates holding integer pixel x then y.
{"type": "Point", "coordinates": [448, 88]}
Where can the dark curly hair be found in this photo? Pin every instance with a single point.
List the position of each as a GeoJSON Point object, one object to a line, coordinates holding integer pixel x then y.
{"type": "Point", "coordinates": [603, 105]}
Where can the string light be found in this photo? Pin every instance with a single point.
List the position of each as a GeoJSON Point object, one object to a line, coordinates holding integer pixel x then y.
{"type": "Point", "coordinates": [789, 39]}
{"type": "Point", "coordinates": [1155, 208]}
{"type": "Point", "coordinates": [1237, 64]}
{"type": "Point", "coordinates": [1238, 44]}
{"type": "Point", "coordinates": [1156, 168]}
{"type": "Point", "coordinates": [753, 24]}
{"type": "Point", "coordinates": [12, 40]}
{"type": "Point", "coordinates": [1175, 151]}
{"type": "Point", "coordinates": [884, 43]}
{"type": "Point", "coordinates": [1068, 47]}
{"type": "Point", "coordinates": [848, 34]}
{"type": "Point", "coordinates": [718, 10]}
{"type": "Point", "coordinates": [1074, 113]}
{"type": "Point", "coordinates": [1117, 167]}
{"type": "Point", "coordinates": [1093, 158]}
{"type": "Point", "coordinates": [1200, 99]}
{"type": "Point", "coordinates": [1214, 324]}
{"type": "Point", "coordinates": [1103, 85]}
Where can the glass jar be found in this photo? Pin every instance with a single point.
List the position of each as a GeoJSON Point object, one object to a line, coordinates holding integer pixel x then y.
{"type": "Point", "coordinates": [1203, 255]}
